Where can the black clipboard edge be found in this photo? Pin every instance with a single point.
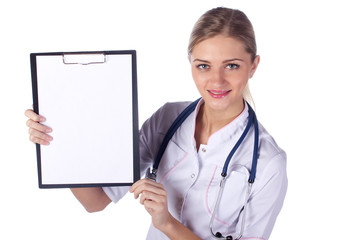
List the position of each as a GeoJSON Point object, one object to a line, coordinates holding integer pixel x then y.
{"type": "Point", "coordinates": [36, 109]}
{"type": "Point", "coordinates": [136, 159]}
{"type": "Point", "coordinates": [83, 185]}
{"type": "Point", "coordinates": [136, 140]}
{"type": "Point", "coordinates": [106, 52]}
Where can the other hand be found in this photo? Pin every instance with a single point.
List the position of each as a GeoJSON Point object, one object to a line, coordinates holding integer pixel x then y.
{"type": "Point", "coordinates": [154, 198]}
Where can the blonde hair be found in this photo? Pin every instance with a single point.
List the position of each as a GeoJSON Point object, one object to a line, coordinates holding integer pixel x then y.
{"type": "Point", "coordinates": [228, 22]}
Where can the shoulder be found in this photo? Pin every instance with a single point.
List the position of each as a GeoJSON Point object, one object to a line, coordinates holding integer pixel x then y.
{"type": "Point", "coordinates": [155, 128]}
{"type": "Point", "coordinates": [169, 111]}
{"type": "Point", "coordinates": [267, 144]}
{"type": "Point", "coordinates": [162, 119]}
{"type": "Point", "coordinates": [271, 157]}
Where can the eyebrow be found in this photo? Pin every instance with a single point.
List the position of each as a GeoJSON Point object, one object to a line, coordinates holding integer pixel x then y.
{"type": "Point", "coordinates": [225, 61]}
{"type": "Point", "coordinates": [200, 60]}
{"type": "Point", "coordinates": [234, 59]}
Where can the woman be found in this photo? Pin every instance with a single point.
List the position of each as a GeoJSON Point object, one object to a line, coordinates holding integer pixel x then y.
{"type": "Point", "coordinates": [222, 54]}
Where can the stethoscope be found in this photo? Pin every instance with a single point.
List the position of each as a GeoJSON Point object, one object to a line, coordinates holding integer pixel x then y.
{"type": "Point", "coordinates": [151, 173]}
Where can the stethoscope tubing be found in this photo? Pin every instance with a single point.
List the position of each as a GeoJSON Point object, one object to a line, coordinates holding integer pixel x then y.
{"type": "Point", "coordinates": [238, 143]}
{"type": "Point", "coordinates": [221, 189]}
{"type": "Point", "coordinates": [252, 120]}
{"type": "Point", "coordinates": [174, 126]}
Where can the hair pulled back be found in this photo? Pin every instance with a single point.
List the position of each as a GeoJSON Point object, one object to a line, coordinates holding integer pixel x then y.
{"type": "Point", "coordinates": [224, 21]}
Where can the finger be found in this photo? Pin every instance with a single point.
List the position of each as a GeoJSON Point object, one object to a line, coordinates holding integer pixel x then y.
{"type": "Point", "coordinates": [150, 206]}
{"type": "Point", "coordinates": [39, 140]}
{"type": "Point", "coordinates": [37, 134]}
{"type": "Point", "coordinates": [147, 188]}
{"type": "Point", "coordinates": [33, 116]}
{"type": "Point", "coordinates": [147, 185]}
{"type": "Point", "coordinates": [38, 126]}
{"type": "Point", "coordinates": [146, 181]}
{"type": "Point", "coordinates": [154, 207]}
{"type": "Point", "coordinates": [151, 196]}
{"type": "Point", "coordinates": [139, 183]}
{"type": "Point", "coordinates": [145, 196]}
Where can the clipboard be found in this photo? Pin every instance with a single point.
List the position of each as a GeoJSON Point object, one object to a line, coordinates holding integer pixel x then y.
{"type": "Point", "coordinates": [89, 99]}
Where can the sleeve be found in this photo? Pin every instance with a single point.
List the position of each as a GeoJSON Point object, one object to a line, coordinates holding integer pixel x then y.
{"type": "Point", "coordinates": [266, 200]}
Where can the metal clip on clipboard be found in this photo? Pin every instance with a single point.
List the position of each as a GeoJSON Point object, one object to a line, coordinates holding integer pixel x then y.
{"type": "Point", "coordinates": [84, 59]}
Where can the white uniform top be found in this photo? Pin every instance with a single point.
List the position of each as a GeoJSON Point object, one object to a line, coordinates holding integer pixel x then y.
{"type": "Point", "coordinates": [191, 178]}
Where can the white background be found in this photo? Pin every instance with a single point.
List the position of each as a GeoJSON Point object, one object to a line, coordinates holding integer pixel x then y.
{"type": "Point", "coordinates": [305, 90]}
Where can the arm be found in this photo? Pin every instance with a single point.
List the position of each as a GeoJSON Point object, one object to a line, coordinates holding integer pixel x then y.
{"type": "Point", "coordinates": [153, 197]}
{"type": "Point", "coordinates": [177, 231]}
{"type": "Point", "coordinates": [93, 199]}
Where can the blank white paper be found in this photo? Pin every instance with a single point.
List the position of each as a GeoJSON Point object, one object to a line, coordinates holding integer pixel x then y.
{"type": "Point", "coordinates": [89, 108]}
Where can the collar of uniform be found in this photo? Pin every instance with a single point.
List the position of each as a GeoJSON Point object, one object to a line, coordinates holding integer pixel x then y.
{"type": "Point", "coordinates": [229, 131]}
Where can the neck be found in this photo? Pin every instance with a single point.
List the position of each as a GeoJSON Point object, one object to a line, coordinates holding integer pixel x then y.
{"type": "Point", "coordinates": [209, 121]}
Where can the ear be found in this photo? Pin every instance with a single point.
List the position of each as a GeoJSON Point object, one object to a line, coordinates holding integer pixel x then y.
{"type": "Point", "coordinates": [254, 66]}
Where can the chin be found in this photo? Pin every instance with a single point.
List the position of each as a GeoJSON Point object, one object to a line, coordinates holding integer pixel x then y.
{"type": "Point", "coordinates": [217, 104]}
{"type": "Point", "coordinates": [224, 105]}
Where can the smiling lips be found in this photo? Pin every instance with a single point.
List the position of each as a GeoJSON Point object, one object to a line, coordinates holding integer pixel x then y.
{"type": "Point", "coordinates": [218, 93]}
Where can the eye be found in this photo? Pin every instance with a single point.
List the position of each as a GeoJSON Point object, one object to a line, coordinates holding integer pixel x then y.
{"type": "Point", "coordinates": [232, 66]}
{"type": "Point", "coordinates": [203, 66]}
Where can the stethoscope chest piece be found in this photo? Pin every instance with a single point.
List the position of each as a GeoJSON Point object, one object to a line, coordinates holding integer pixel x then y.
{"type": "Point", "coordinates": [151, 174]}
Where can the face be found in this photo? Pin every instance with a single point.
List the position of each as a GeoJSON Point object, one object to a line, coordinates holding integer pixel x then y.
{"type": "Point", "coordinates": [221, 68]}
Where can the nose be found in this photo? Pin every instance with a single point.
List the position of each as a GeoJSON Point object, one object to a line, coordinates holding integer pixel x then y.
{"type": "Point", "coordinates": [218, 76]}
